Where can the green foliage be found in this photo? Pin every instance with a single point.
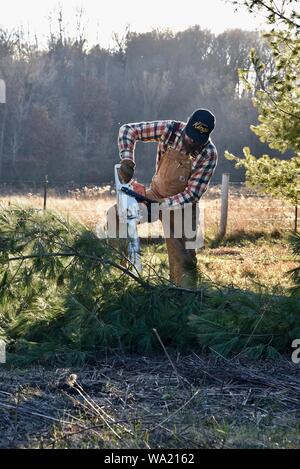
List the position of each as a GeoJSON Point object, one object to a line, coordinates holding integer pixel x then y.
{"type": "Point", "coordinates": [279, 178]}
{"type": "Point", "coordinates": [247, 323]}
{"type": "Point", "coordinates": [276, 95]}
{"type": "Point", "coordinates": [64, 299]}
{"type": "Point", "coordinates": [295, 273]}
{"type": "Point", "coordinates": [276, 12]}
{"type": "Point", "coordinates": [278, 99]}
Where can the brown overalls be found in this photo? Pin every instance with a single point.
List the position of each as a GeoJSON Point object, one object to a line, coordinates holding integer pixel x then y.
{"type": "Point", "coordinates": [171, 177]}
{"type": "Point", "coordinates": [172, 174]}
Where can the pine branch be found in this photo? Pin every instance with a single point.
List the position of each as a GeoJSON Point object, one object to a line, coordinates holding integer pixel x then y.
{"type": "Point", "coordinates": [272, 11]}
{"type": "Point", "coordinates": [126, 271]}
{"type": "Point", "coordinates": [272, 99]}
{"type": "Point", "coordinates": [81, 256]}
{"type": "Point", "coordinates": [277, 13]}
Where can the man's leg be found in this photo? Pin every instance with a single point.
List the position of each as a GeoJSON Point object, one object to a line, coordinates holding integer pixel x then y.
{"type": "Point", "coordinates": [182, 261]}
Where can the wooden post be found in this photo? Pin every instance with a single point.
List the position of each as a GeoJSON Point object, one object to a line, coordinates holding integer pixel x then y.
{"type": "Point", "coordinates": [224, 206]}
{"type": "Point", "coordinates": [3, 119]}
{"type": "Point", "coordinates": [45, 192]}
{"type": "Point", "coordinates": [296, 201]}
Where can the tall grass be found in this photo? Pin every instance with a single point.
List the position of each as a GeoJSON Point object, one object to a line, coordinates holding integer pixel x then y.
{"type": "Point", "coordinates": [248, 212]}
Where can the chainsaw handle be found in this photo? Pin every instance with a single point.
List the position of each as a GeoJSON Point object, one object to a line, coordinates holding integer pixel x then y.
{"type": "Point", "coordinates": [117, 178]}
{"type": "Point", "coordinates": [138, 197]}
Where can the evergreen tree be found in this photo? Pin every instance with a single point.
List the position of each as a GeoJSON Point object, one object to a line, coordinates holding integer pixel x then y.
{"type": "Point", "coordinates": [277, 100]}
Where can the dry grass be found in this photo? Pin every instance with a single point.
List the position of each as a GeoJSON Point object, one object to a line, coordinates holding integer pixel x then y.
{"type": "Point", "coordinates": [134, 402]}
{"type": "Point", "coordinates": [251, 266]}
{"type": "Point", "coordinates": [248, 212]}
{"type": "Point", "coordinates": [250, 217]}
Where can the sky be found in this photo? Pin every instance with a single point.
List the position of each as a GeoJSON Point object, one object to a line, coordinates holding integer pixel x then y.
{"type": "Point", "coordinates": [103, 18]}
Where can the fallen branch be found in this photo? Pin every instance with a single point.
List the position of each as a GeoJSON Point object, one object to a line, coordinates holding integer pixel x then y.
{"type": "Point", "coordinates": [125, 270]}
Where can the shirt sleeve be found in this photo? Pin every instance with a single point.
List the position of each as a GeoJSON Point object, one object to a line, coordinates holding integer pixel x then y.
{"type": "Point", "coordinates": [198, 182]}
{"type": "Point", "coordinates": [129, 134]}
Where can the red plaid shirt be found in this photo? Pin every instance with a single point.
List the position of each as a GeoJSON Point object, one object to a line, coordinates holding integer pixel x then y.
{"type": "Point", "coordinates": [203, 166]}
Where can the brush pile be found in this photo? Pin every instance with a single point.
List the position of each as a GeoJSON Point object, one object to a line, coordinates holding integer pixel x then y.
{"type": "Point", "coordinates": [65, 297]}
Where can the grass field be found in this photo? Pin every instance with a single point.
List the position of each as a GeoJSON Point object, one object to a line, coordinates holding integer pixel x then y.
{"type": "Point", "coordinates": [181, 401]}
{"type": "Point", "coordinates": [248, 212]}
{"type": "Point", "coordinates": [255, 249]}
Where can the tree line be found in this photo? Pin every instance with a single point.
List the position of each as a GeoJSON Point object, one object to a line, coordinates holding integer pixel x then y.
{"type": "Point", "coordinates": [66, 102]}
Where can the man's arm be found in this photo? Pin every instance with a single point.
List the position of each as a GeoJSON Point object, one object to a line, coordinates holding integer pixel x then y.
{"type": "Point", "coordinates": [198, 182]}
{"type": "Point", "coordinates": [129, 134]}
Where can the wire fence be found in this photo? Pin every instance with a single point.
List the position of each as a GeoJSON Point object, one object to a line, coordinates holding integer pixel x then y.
{"type": "Point", "coordinates": [69, 188]}
{"type": "Point", "coordinates": [248, 210]}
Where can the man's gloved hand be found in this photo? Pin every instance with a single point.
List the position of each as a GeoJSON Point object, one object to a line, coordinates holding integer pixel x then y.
{"type": "Point", "coordinates": [126, 170]}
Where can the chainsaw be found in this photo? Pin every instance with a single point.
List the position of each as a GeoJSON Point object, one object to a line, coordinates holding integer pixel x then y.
{"type": "Point", "coordinates": [130, 214]}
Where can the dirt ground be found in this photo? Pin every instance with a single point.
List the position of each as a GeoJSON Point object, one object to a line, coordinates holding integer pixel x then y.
{"type": "Point", "coordinates": [139, 402]}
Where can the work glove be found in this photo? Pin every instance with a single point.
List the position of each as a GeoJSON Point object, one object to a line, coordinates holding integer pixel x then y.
{"type": "Point", "coordinates": [126, 170]}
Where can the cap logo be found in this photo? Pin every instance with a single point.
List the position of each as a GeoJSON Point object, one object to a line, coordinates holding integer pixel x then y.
{"type": "Point", "coordinates": [202, 128]}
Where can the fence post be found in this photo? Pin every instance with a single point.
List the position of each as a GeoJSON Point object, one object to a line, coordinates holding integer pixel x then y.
{"type": "Point", "coordinates": [45, 191]}
{"type": "Point", "coordinates": [3, 119]}
{"type": "Point", "coordinates": [296, 201]}
{"type": "Point", "coordinates": [224, 206]}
